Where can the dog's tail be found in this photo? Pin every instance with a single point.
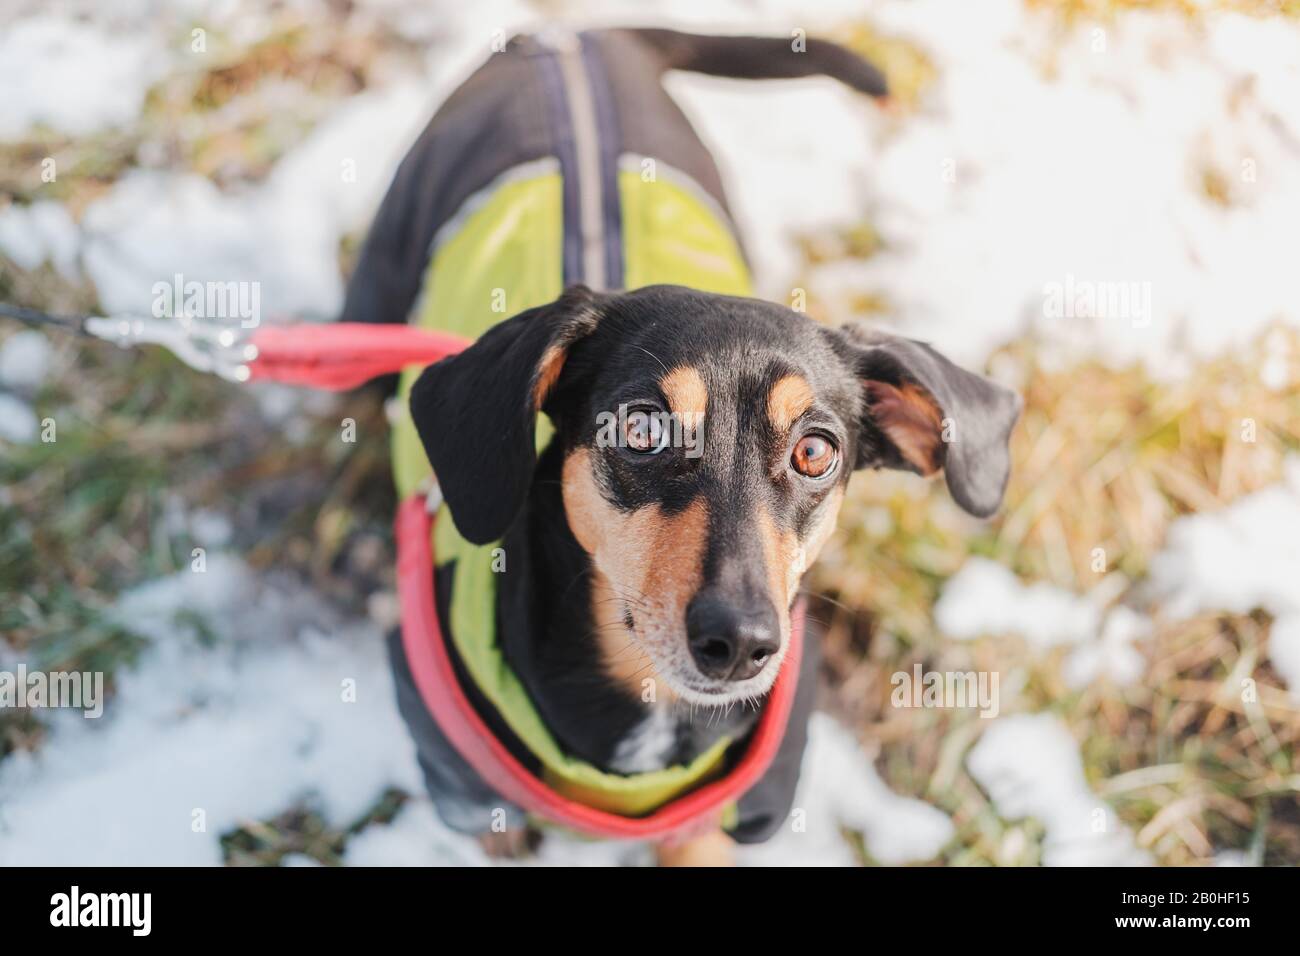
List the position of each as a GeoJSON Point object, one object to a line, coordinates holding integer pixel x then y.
{"type": "Point", "coordinates": [763, 58]}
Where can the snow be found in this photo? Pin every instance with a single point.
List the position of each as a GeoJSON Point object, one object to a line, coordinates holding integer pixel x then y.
{"type": "Point", "coordinates": [210, 528]}
{"type": "Point", "coordinates": [1284, 651]}
{"type": "Point", "coordinates": [17, 420]}
{"type": "Point", "coordinates": [1030, 766]}
{"type": "Point", "coordinates": [415, 837]}
{"type": "Point", "coordinates": [1244, 557]}
{"type": "Point", "coordinates": [986, 598]}
{"type": "Point", "coordinates": [283, 234]}
{"type": "Point", "coordinates": [240, 731]}
{"type": "Point", "coordinates": [24, 361]}
{"type": "Point", "coordinates": [39, 233]}
{"type": "Point", "coordinates": [1092, 172]}
{"type": "Point", "coordinates": [1112, 655]}
{"type": "Point", "coordinates": [841, 789]}
{"type": "Point", "coordinates": [1239, 559]}
{"type": "Point", "coordinates": [71, 76]}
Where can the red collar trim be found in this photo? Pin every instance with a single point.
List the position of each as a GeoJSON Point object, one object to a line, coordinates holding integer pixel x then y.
{"type": "Point", "coordinates": [426, 653]}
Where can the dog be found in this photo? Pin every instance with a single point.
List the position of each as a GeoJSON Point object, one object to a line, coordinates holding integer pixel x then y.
{"type": "Point", "coordinates": [694, 447]}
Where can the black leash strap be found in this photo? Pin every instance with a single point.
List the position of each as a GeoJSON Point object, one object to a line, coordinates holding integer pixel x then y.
{"type": "Point", "coordinates": [37, 319]}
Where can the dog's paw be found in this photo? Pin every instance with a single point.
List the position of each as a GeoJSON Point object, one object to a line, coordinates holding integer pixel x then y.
{"type": "Point", "coordinates": [516, 843]}
{"type": "Point", "coordinates": [714, 848]}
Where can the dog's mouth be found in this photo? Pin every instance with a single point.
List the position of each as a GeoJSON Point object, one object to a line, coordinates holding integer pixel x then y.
{"type": "Point", "coordinates": [694, 688]}
{"type": "Point", "coordinates": [719, 693]}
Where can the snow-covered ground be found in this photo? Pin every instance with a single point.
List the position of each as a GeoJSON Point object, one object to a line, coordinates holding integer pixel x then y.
{"type": "Point", "coordinates": [1035, 166]}
{"type": "Point", "coordinates": [1030, 766]}
{"type": "Point", "coordinates": [1036, 169]}
{"type": "Point", "coordinates": [294, 704]}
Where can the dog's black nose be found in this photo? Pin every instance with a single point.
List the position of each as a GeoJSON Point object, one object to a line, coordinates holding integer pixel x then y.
{"type": "Point", "coordinates": [728, 642]}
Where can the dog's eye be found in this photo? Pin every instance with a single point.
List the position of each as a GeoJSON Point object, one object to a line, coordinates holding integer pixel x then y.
{"type": "Point", "coordinates": [814, 456]}
{"type": "Point", "coordinates": [645, 432]}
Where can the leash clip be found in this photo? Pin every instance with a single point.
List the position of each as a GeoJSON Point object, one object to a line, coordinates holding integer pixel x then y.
{"type": "Point", "coordinates": [206, 345]}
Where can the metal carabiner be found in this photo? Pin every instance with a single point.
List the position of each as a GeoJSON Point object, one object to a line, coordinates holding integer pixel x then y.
{"type": "Point", "coordinates": [203, 344]}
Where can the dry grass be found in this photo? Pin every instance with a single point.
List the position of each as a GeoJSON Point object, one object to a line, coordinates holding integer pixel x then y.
{"type": "Point", "coordinates": [228, 111]}
{"type": "Point", "coordinates": [1192, 9]}
{"type": "Point", "coordinates": [1103, 458]}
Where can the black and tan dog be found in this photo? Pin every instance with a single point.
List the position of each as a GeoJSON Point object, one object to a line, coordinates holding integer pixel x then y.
{"type": "Point", "coordinates": [702, 442]}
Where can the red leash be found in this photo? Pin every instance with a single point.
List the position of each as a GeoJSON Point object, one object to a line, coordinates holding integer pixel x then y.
{"type": "Point", "coordinates": [431, 666]}
{"type": "Point", "coordinates": [334, 355]}
{"type": "Point", "coordinates": [343, 355]}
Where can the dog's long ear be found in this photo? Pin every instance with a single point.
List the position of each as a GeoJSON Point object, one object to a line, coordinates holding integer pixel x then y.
{"type": "Point", "coordinates": [476, 412]}
{"type": "Point", "coordinates": [920, 412]}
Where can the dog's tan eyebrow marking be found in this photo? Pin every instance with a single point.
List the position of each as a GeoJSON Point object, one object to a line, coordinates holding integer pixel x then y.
{"type": "Point", "coordinates": [790, 397]}
{"type": "Point", "coordinates": [685, 391]}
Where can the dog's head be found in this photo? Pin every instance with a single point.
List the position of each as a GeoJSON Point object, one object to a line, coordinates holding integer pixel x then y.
{"type": "Point", "coordinates": [706, 445]}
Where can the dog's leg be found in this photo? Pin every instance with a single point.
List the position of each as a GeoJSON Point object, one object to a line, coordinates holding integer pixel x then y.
{"type": "Point", "coordinates": [708, 849]}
